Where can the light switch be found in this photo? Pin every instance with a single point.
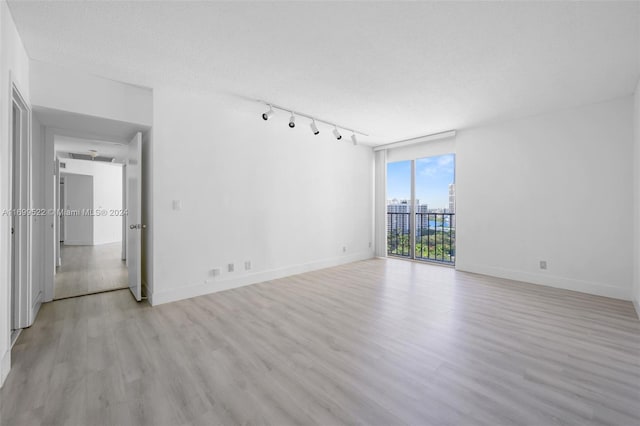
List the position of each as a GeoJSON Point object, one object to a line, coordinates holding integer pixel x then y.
{"type": "Point", "coordinates": [177, 205]}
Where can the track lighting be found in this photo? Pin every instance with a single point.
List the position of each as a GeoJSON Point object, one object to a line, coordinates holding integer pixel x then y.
{"type": "Point", "coordinates": [313, 125]}
{"type": "Point", "coordinates": [266, 115]}
{"type": "Point", "coordinates": [314, 128]}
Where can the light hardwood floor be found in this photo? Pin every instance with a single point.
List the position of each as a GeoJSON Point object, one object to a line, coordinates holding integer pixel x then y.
{"type": "Point", "coordinates": [90, 269]}
{"type": "Point", "coordinates": [379, 342]}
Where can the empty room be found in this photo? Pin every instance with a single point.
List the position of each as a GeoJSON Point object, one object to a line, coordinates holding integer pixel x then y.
{"type": "Point", "coordinates": [319, 213]}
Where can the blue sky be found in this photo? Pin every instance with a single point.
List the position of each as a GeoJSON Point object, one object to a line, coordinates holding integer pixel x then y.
{"type": "Point", "coordinates": [433, 176]}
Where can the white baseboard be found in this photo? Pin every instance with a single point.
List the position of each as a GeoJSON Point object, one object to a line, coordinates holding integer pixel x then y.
{"type": "Point", "coordinates": [78, 243]}
{"type": "Point", "coordinates": [581, 286]}
{"type": "Point", "coordinates": [215, 285]}
{"type": "Point", "coordinates": [146, 291]}
{"type": "Point", "coordinates": [35, 307]}
{"type": "Point", "coordinates": [5, 366]}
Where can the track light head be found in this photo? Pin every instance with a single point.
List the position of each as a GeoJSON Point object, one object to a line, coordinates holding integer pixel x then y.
{"type": "Point", "coordinates": [292, 121]}
{"type": "Point", "coordinates": [353, 139]}
{"type": "Point", "coordinates": [314, 128]}
{"type": "Point", "coordinates": [267, 114]}
{"type": "Point", "coordinates": [336, 133]}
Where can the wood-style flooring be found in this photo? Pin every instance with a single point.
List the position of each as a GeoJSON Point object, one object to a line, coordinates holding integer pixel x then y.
{"type": "Point", "coordinates": [90, 269]}
{"type": "Point", "coordinates": [378, 342]}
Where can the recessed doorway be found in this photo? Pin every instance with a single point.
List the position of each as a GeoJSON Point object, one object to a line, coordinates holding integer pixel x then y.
{"type": "Point", "coordinates": [94, 236]}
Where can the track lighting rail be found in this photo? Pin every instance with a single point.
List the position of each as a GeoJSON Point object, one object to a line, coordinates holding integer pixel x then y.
{"type": "Point", "coordinates": [310, 117]}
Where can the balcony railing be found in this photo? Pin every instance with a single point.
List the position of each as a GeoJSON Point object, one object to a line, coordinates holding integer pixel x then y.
{"type": "Point", "coordinates": [398, 241]}
{"type": "Point", "coordinates": [434, 239]}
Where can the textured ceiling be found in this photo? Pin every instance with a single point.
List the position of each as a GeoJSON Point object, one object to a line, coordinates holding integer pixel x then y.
{"type": "Point", "coordinates": [394, 70]}
{"type": "Point", "coordinates": [65, 144]}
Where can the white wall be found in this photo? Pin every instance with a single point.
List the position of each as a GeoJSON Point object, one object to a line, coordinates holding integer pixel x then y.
{"type": "Point", "coordinates": [14, 61]}
{"type": "Point", "coordinates": [282, 198]}
{"type": "Point", "coordinates": [555, 187]}
{"type": "Point", "coordinates": [636, 199]}
{"type": "Point", "coordinates": [107, 195]}
{"type": "Point", "coordinates": [422, 150]}
{"type": "Point", "coordinates": [69, 90]}
{"type": "Point", "coordinates": [380, 200]}
{"type": "Point", "coordinates": [107, 183]}
{"type": "Point", "coordinates": [38, 230]}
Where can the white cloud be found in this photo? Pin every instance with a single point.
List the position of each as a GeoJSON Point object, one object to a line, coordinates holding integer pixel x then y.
{"type": "Point", "coordinates": [445, 160]}
{"type": "Point", "coordinates": [432, 166]}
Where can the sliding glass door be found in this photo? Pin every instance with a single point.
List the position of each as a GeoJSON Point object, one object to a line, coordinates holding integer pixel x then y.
{"type": "Point", "coordinates": [421, 209]}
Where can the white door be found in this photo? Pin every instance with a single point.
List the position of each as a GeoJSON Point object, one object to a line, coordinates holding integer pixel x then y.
{"type": "Point", "coordinates": [20, 183]}
{"type": "Point", "coordinates": [134, 216]}
{"type": "Point", "coordinates": [14, 219]}
{"type": "Point", "coordinates": [79, 200]}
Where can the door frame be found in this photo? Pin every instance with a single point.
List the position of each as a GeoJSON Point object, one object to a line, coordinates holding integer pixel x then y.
{"type": "Point", "coordinates": [51, 187]}
{"type": "Point", "coordinates": [123, 254]}
{"type": "Point", "coordinates": [23, 313]}
{"type": "Point", "coordinates": [62, 193]}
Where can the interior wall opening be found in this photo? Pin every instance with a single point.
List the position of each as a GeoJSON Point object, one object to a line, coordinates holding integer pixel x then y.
{"type": "Point", "coordinates": [86, 240]}
{"type": "Point", "coordinates": [91, 218]}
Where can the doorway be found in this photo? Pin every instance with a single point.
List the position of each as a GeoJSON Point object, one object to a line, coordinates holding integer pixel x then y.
{"type": "Point", "coordinates": [67, 140]}
{"type": "Point", "coordinates": [421, 209]}
{"type": "Point", "coordinates": [91, 218]}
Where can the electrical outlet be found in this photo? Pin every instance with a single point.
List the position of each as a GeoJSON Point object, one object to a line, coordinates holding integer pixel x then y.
{"type": "Point", "coordinates": [215, 272]}
{"type": "Point", "coordinates": [543, 264]}
{"type": "Point", "coordinates": [344, 249]}
{"type": "Point", "coordinates": [230, 267]}
{"type": "Point", "coordinates": [247, 265]}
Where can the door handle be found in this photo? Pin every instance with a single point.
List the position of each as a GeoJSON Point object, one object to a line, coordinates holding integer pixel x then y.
{"type": "Point", "coordinates": [133, 226]}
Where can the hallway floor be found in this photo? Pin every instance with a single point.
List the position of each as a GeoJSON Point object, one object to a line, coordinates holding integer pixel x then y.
{"type": "Point", "coordinates": [90, 269]}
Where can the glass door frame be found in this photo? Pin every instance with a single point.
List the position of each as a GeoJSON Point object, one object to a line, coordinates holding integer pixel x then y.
{"type": "Point", "coordinates": [413, 235]}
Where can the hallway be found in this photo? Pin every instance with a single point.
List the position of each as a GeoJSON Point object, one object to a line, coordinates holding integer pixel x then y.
{"type": "Point", "coordinates": [90, 269]}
